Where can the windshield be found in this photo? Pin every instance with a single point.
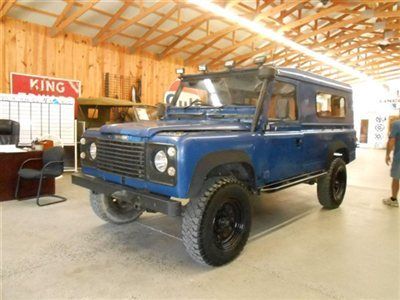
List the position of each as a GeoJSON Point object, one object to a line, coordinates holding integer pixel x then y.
{"type": "Point", "coordinates": [230, 90]}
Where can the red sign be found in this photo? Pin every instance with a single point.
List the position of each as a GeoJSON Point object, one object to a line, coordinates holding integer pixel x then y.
{"type": "Point", "coordinates": [45, 86]}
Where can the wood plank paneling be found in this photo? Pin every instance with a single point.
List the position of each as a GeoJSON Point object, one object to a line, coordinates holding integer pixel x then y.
{"type": "Point", "coordinates": [28, 48]}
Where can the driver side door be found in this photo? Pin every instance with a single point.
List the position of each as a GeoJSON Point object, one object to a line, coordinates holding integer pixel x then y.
{"type": "Point", "coordinates": [282, 136]}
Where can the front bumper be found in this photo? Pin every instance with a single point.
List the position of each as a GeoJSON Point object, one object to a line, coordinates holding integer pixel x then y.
{"type": "Point", "coordinates": [142, 198]}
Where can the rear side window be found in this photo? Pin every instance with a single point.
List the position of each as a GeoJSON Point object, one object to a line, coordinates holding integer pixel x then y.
{"type": "Point", "coordinates": [330, 106]}
{"type": "Point", "coordinates": [282, 105]}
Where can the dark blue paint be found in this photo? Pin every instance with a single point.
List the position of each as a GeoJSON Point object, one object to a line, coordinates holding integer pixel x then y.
{"type": "Point", "coordinates": [277, 150]}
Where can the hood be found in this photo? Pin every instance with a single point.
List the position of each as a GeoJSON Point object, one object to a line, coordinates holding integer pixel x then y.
{"type": "Point", "coordinates": [150, 128]}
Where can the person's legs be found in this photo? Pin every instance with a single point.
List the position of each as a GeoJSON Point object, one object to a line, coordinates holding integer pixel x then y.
{"type": "Point", "coordinates": [395, 174]}
{"type": "Point", "coordinates": [395, 188]}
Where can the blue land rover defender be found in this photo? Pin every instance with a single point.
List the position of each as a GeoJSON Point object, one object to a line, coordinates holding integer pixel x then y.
{"type": "Point", "coordinates": [223, 137]}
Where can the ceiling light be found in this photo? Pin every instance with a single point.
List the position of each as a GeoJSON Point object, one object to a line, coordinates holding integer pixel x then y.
{"type": "Point", "coordinates": [274, 36]}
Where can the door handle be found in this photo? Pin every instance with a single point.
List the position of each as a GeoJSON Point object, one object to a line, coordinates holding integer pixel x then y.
{"type": "Point", "coordinates": [299, 142]}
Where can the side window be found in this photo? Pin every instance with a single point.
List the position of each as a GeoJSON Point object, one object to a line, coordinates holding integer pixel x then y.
{"type": "Point", "coordinates": [330, 106]}
{"type": "Point", "coordinates": [282, 105]}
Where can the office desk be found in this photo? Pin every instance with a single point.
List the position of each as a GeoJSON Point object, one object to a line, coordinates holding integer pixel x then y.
{"type": "Point", "coordinates": [9, 166]}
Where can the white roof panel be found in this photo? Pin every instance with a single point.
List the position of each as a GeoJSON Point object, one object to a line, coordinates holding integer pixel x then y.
{"type": "Point", "coordinates": [109, 6]}
{"type": "Point", "coordinates": [130, 12]}
{"type": "Point", "coordinates": [49, 5]}
{"type": "Point", "coordinates": [30, 16]}
{"type": "Point", "coordinates": [93, 17]}
{"type": "Point", "coordinates": [168, 25]}
{"type": "Point", "coordinates": [150, 20]}
{"type": "Point", "coordinates": [135, 30]}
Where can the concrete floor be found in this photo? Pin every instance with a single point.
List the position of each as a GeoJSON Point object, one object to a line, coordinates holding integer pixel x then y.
{"type": "Point", "coordinates": [296, 250]}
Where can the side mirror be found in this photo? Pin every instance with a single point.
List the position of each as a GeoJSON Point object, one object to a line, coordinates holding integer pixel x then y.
{"type": "Point", "coordinates": [266, 72]}
{"type": "Point", "coordinates": [161, 107]}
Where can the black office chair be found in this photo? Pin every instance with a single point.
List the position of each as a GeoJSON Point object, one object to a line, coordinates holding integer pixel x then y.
{"type": "Point", "coordinates": [53, 166]}
{"type": "Point", "coordinates": [9, 132]}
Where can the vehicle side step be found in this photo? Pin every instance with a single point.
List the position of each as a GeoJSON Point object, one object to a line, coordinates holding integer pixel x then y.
{"type": "Point", "coordinates": [277, 186]}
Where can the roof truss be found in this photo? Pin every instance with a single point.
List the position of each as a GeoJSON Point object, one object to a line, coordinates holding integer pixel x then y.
{"type": "Point", "coordinates": [353, 31]}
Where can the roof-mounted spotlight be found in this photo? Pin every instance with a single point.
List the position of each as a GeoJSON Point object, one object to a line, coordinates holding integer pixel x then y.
{"type": "Point", "coordinates": [180, 71]}
{"type": "Point", "coordinates": [259, 60]}
{"type": "Point", "coordinates": [203, 68]}
{"type": "Point", "coordinates": [229, 64]}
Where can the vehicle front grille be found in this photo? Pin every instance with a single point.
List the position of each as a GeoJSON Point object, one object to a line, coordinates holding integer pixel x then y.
{"type": "Point", "coordinates": [122, 158]}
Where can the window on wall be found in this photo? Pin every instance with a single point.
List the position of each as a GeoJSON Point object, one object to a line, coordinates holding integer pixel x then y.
{"type": "Point", "coordinates": [282, 105]}
{"type": "Point", "coordinates": [330, 106]}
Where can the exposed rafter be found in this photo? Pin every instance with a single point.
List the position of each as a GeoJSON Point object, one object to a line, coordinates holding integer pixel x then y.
{"type": "Point", "coordinates": [6, 6]}
{"type": "Point", "coordinates": [362, 34]}
{"type": "Point", "coordinates": [154, 28]}
{"type": "Point", "coordinates": [110, 22]}
{"type": "Point", "coordinates": [143, 13]}
{"type": "Point", "coordinates": [64, 23]}
{"type": "Point", "coordinates": [194, 22]}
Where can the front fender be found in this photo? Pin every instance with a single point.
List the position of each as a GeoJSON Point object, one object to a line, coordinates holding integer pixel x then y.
{"type": "Point", "coordinates": [212, 160]}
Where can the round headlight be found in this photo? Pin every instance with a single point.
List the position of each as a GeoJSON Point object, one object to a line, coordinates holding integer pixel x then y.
{"type": "Point", "coordinates": [83, 155]}
{"type": "Point", "coordinates": [161, 161]}
{"type": "Point", "coordinates": [93, 150]}
{"type": "Point", "coordinates": [83, 141]}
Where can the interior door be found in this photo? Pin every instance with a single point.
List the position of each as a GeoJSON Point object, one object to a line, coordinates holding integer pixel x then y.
{"type": "Point", "coordinates": [283, 138]}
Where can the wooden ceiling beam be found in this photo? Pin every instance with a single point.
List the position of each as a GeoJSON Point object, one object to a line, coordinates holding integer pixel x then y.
{"type": "Point", "coordinates": [194, 22]}
{"type": "Point", "coordinates": [216, 34]}
{"type": "Point", "coordinates": [143, 13]}
{"type": "Point", "coordinates": [366, 2]}
{"type": "Point", "coordinates": [176, 42]}
{"type": "Point", "coordinates": [305, 20]}
{"type": "Point", "coordinates": [5, 8]}
{"type": "Point", "coordinates": [383, 66]}
{"type": "Point", "coordinates": [154, 27]}
{"type": "Point", "coordinates": [215, 53]}
{"type": "Point", "coordinates": [222, 55]}
{"type": "Point", "coordinates": [63, 24]}
{"type": "Point", "coordinates": [205, 47]}
{"type": "Point", "coordinates": [114, 18]}
{"type": "Point", "coordinates": [63, 14]}
{"type": "Point", "coordinates": [388, 77]}
{"type": "Point", "coordinates": [243, 57]}
{"type": "Point", "coordinates": [277, 9]}
{"type": "Point", "coordinates": [304, 36]}
{"type": "Point", "coordinates": [344, 37]}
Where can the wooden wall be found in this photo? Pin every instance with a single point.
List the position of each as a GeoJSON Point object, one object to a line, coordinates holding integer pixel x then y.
{"type": "Point", "coordinates": [28, 48]}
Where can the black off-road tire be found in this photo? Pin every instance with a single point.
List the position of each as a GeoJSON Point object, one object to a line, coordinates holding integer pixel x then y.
{"type": "Point", "coordinates": [331, 187]}
{"type": "Point", "coordinates": [112, 212]}
{"type": "Point", "coordinates": [208, 219]}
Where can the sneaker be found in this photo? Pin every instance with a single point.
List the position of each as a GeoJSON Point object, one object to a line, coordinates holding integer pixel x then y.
{"type": "Point", "coordinates": [390, 202]}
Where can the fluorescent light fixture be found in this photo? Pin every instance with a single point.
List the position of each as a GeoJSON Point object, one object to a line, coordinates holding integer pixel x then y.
{"type": "Point", "coordinates": [274, 36]}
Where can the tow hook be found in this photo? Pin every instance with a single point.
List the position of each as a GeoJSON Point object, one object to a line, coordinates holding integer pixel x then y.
{"type": "Point", "coordinates": [127, 197]}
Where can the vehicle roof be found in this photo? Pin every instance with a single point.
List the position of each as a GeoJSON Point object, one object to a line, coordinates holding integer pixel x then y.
{"type": "Point", "coordinates": [285, 72]}
{"type": "Point", "coordinates": [313, 78]}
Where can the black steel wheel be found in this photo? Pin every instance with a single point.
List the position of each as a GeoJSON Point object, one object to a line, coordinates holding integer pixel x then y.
{"type": "Point", "coordinates": [228, 225]}
{"type": "Point", "coordinates": [332, 187]}
{"type": "Point", "coordinates": [216, 225]}
{"type": "Point", "coordinates": [113, 210]}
